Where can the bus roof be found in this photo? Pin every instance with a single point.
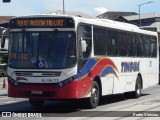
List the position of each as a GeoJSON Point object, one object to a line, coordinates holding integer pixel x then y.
{"type": "Point", "coordinates": [98, 22]}
{"type": "Point", "coordinates": [115, 25]}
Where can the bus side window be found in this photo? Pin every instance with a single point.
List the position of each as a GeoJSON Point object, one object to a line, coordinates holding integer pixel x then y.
{"type": "Point", "coordinates": [153, 47]}
{"type": "Point", "coordinates": [112, 39]}
{"type": "Point", "coordinates": [100, 42]}
{"type": "Point", "coordinates": [123, 46]}
{"type": "Point", "coordinates": [140, 46]}
{"type": "Point", "coordinates": [132, 44]}
{"type": "Point", "coordinates": [147, 46]}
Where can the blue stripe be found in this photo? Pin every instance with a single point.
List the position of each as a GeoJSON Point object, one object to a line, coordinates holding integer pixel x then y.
{"type": "Point", "coordinates": [107, 71]}
{"type": "Point", "coordinates": [87, 68]}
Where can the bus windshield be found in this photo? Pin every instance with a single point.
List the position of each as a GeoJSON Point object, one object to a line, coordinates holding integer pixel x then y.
{"type": "Point", "coordinates": [42, 50]}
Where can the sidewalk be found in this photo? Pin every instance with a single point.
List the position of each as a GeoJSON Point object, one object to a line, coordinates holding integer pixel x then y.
{"type": "Point", "coordinates": [3, 83]}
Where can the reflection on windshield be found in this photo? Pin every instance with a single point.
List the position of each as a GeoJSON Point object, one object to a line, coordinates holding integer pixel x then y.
{"type": "Point", "coordinates": [42, 50]}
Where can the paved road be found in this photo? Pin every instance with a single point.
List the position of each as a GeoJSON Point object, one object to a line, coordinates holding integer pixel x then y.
{"type": "Point", "coordinates": [113, 107]}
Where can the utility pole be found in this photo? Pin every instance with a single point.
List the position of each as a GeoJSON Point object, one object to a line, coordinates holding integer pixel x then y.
{"type": "Point", "coordinates": [140, 11]}
{"type": "Point", "coordinates": [63, 8]}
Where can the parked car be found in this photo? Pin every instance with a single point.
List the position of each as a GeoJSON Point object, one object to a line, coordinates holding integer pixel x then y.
{"type": "Point", "coordinates": [3, 70]}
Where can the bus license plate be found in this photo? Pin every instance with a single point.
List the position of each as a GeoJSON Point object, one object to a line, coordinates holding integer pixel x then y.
{"type": "Point", "coordinates": [36, 92]}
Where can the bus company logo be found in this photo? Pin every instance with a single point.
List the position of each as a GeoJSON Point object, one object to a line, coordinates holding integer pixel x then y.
{"type": "Point", "coordinates": [130, 67]}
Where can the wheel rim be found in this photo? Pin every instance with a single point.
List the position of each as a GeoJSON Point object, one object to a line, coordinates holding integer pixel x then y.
{"type": "Point", "coordinates": [94, 95]}
{"type": "Point", "coordinates": [138, 89]}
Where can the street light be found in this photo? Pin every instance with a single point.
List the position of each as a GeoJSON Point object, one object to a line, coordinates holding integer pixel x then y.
{"type": "Point", "coordinates": [140, 11]}
{"type": "Point", "coordinates": [63, 8]}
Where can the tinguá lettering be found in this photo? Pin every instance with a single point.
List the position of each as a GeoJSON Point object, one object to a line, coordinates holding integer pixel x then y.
{"type": "Point", "coordinates": [129, 67]}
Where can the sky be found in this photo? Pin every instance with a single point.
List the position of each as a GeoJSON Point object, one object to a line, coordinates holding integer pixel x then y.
{"type": "Point", "coordinates": [90, 7]}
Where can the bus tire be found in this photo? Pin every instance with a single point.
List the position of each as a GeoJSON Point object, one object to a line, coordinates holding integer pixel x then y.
{"type": "Point", "coordinates": [138, 88]}
{"type": "Point", "coordinates": [36, 103]}
{"type": "Point", "coordinates": [95, 94]}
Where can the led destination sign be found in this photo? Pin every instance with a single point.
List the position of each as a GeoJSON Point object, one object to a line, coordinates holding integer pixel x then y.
{"type": "Point", "coordinates": [42, 23]}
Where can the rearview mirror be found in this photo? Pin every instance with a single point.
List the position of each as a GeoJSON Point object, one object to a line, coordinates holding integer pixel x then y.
{"type": "Point", "coordinates": [4, 32]}
{"type": "Point", "coordinates": [83, 45]}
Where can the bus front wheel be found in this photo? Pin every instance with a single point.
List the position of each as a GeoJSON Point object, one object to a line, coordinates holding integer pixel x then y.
{"type": "Point", "coordinates": [36, 103]}
{"type": "Point", "coordinates": [94, 98]}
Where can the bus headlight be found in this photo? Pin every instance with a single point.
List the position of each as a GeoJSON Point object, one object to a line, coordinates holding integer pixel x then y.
{"type": "Point", "coordinates": [14, 82]}
{"type": "Point", "coordinates": [64, 82]}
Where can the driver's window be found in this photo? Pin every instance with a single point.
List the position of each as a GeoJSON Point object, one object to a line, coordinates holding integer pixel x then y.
{"type": "Point", "coordinates": [84, 32]}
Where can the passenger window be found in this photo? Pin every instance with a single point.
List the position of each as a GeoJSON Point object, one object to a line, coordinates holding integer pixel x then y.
{"type": "Point", "coordinates": [153, 47]}
{"type": "Point", "coordinates": [112, 38]}
{"type": "Point", "coordinates": [132, 44]}
{"type": "Point", "coordinates": [100, 42]}
{"type": "Point", "coordinates": [147, 47]}
{"type": "Point", "coordinates": [140, 46]}
{"type": "Point", "coordinates": [123, 43]}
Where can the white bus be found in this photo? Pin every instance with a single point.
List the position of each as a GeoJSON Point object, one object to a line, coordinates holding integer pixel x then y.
{"type": "Point", "coordinates": [64, 57]}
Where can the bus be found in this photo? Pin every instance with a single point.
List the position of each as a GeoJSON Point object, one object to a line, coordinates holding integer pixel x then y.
{"type": "Point", "coordinates": [61, 57]}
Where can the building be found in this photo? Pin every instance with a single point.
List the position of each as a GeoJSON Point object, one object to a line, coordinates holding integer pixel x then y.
{"type": "Point", "coordinates": [148, 21]}
{"type": "Point", "coordinates": [4, 20]}
{"type": "Point", "coordinates": [72, 13]}
{"type": "Point", "coordinates": [113, 15]}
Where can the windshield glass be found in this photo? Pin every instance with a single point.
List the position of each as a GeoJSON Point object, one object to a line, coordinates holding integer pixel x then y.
{"type": "Point", "coordinates": [45, 50]}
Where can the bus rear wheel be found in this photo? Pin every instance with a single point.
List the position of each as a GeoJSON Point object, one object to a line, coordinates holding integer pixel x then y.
{"type": "Point", "coordinates": [36, 102]}
{"type": "Point", "coordinates": [95, 93]}
{"type": "Point", "coordinates": [138, 88]}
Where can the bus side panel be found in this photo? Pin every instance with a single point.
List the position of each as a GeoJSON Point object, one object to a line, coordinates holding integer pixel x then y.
{"type": "Point", "coordinates": [153, 70]}
{"type": "Point", "coordinates": [128, 71]}
{"type": "Point", "coordinates": [107, 85]}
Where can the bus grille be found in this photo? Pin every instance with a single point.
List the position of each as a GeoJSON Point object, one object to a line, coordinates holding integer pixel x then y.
{"type": "Point", "coordinates": [38, 74]}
